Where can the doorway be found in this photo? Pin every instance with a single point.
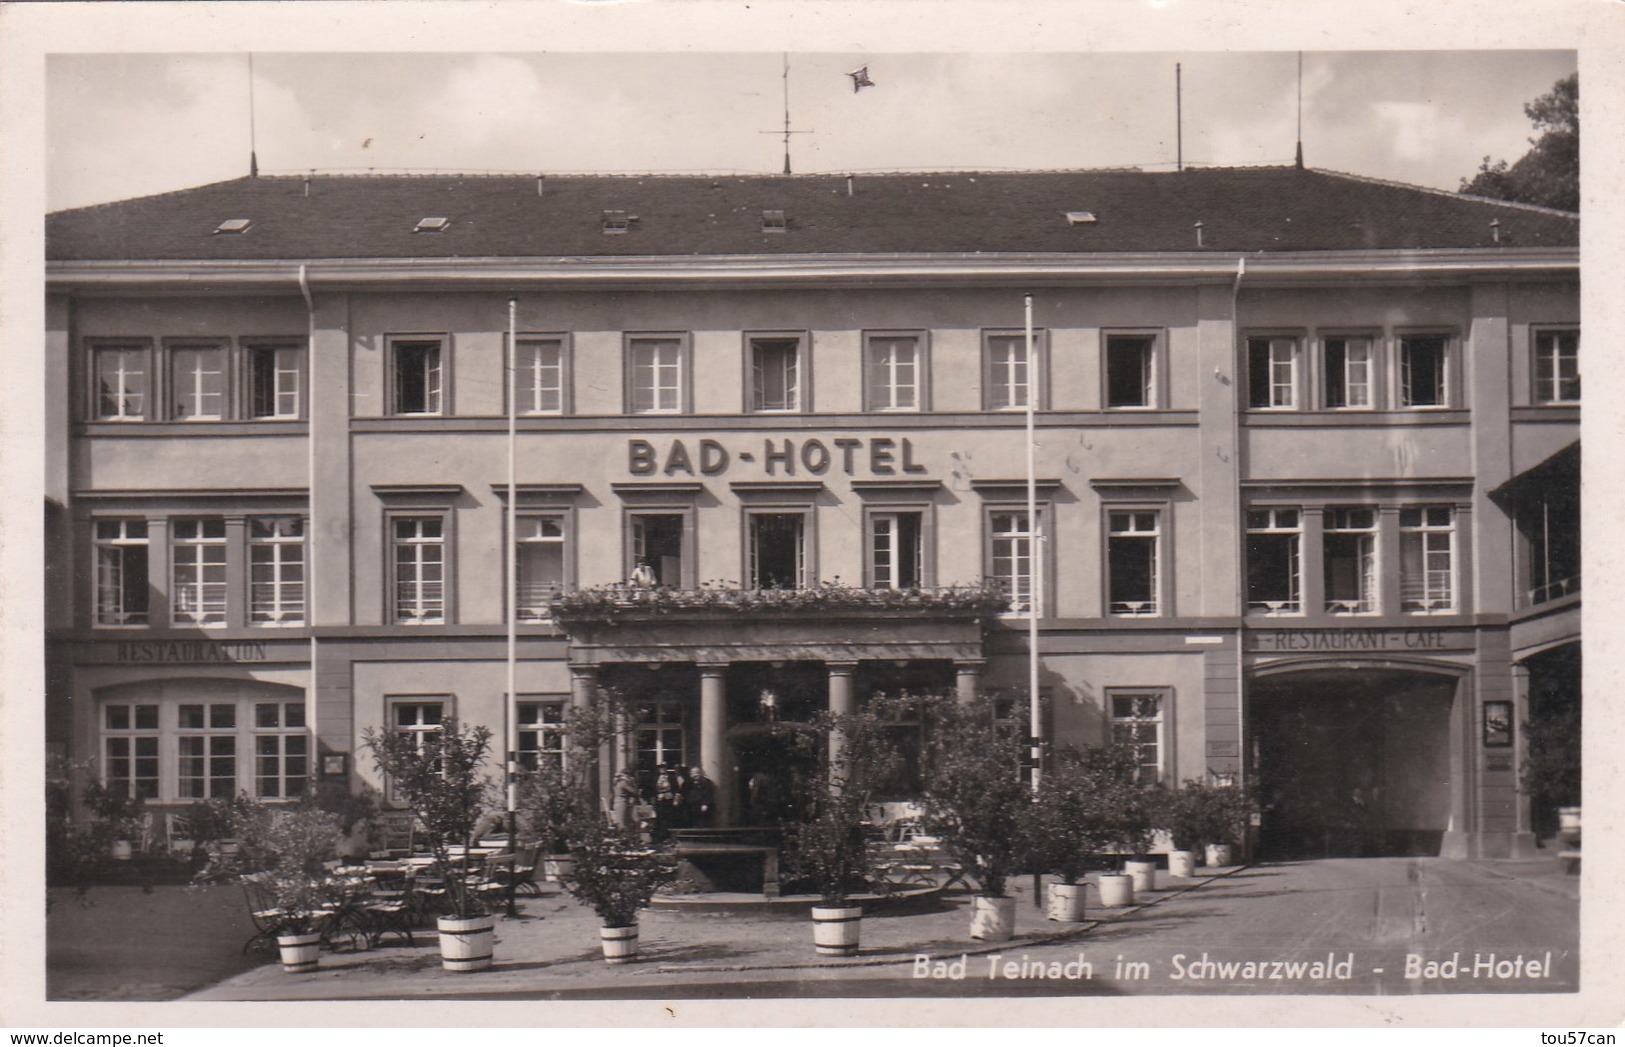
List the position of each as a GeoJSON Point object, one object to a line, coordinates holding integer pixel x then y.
{"type": "Point", "coordinates": [1351, 762]}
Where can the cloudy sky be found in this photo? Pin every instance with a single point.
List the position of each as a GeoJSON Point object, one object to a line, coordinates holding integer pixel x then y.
{"type": "Point", "coordinates": [124, 125]}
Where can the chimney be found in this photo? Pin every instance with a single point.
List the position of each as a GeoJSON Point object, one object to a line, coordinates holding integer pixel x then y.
{"type": "Point", "coordinates": [848, 185]}
{"type": "Point", "coordinates": [540, 182]}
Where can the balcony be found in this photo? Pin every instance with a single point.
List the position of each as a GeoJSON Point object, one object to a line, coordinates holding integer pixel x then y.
{"type": "Point", "coordinates": [609, 603]}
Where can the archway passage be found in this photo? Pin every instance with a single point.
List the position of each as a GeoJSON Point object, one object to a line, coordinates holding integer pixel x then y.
{"type": "Point", "coordinates": [1553, 735]}
{"type": "Point", "coordinates": [1352, 763]}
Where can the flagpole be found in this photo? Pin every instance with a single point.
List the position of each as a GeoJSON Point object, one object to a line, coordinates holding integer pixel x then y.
{"type": "Point", "coordinates": [1035, 537]}
{"type": "Point", "coordinates": [511, 591]}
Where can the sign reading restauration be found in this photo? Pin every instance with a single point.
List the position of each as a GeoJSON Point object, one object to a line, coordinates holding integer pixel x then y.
{"type": "Point", "coordinates": [164, 651]}
{"type": "Point", "coordinates": [877, 456]}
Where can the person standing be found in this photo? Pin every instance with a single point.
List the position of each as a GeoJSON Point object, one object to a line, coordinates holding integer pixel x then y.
{"type": "Point", "coordinates": [699, 799]}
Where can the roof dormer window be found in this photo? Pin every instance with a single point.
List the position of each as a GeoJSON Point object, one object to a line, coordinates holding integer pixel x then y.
{"type": "Point", "coordinates": [616, 222]}
{"type": "Point", "coordinates": [774, 222]}
{"type": "Point", "coordinates": [233, 226]}
{"type": "Point", "coordinates": [431, 225]}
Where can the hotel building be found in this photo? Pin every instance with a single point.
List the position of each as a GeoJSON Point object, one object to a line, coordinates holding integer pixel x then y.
{"type": "Point", "coordinates": [1306, 475]}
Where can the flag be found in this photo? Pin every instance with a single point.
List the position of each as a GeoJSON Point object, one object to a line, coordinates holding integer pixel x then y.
{"type": "Point", "coordinates": [860, 79]}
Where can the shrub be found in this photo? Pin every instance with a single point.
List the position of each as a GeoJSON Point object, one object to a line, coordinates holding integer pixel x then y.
{"type": "Point", "coordinates": [975, 799]}
{"type": "Point", "coordinates": [285, 849]}
{"type": "Point", "coordinates": [441, 782]}
{"type": "Point", "coordinates": [830, 846]}
{"type": "Point", "coordinates": [1075, 815]}
{"type": "Point", "coordinates": [1551, 767]}
{"type": "Point", "coordinates": [615, 872]}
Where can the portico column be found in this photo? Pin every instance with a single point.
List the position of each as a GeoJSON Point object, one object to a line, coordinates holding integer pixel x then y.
{"type": "Point", "coordinates": [968, 679]}
{"type": "Point", "coordinates": [583, 696]}
{"type": "Point", "coordinates": [842, 702]}
{"type": "Point", "coordinates": [1523, 835]}
{"type": "Point", "coordinates": [714, 758]}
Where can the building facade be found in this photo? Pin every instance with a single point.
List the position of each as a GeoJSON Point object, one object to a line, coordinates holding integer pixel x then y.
{"type": "Point", "coordinates": [1306, 476]}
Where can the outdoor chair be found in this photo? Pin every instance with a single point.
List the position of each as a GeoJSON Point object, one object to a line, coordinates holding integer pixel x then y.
{"type": "Point", "coordinates": [179, 840]}
{"type": "Point", "coordinates": [389, 911]}
{"type": "Point", "coordinates": [262, 909]}
{"type": "Point", "coordinates": [524, 870]}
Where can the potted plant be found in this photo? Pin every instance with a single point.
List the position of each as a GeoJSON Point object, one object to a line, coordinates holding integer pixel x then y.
{"type": "Point", "coordinates": [1224, 812]}
{"type": "Point", "coordinates": [355, 812]}
{"type": "Point", "coordinates": [1137, 829]}
{"type": "Point", "coordinates": [616, 874]}
{"type": "Point", "coordinates": [831, 847]}
{"type": "Point", "coordinates": [121, 813]}
{"type": "Point", "coordinates": [439, 778]}
{"type": "Point", "coordinates": [280, 857]}
{"type": "Point", "coordinates": [1072, 821]}
{"type": "Point", "coordinates": [559, 795]}
{"type": "Point", "coordinates": [1182, 817]}
{"type": "Point", "coordinates": [977, 803]}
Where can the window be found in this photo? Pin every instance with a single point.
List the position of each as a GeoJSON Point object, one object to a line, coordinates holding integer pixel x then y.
{"type": "Point", "coordinates": [419, 386]}
{"type": "Point", "coordinates": [276, 570]}
{"type": "Point", "coordinates": [1348, 372]}
{"type": "Point", "coordinates": [895, 373]}
{"type": "Point", "coordinates": [203, 741]}
{"type": "Point", "coordinates": [539, 561]}
{"type": "Point", "coordinates": [198, 586]}
{"type": "Point", "coordinates": [1427, 568]}
{"type": "Point", "coordinates": [659, 739]}
{"type": "Point", "coordinates": [120, 376]}
{"type": "Point", "coordinates": [274, 373]}
{"type": "Point", "coordinates": [896, 550]}
{"type": "Point", "coordinates": [1274, 580]}
{"type": "Point", "coordinates": [657, 382]}
{"type": "Point", "coordinates": [121, 572]}
{"type": "Point", "coordinates": [130, 749]}
{"type": "Point", "coordinates": [1349, 548]}
{"type": "Point", "coordinates": [420, 569]}
{"type": "Point", "coordinates": [1133, 542]}
{"type": "Point", "coordinates": [207, 751]}
{"type": "Point", "coordinates": [1010, 557]}
{"type": "Point", "coordinates": [775, 374]}
{"type": "Point", "coordinates": [1551, 526]}
{"type": "Point", "coordinates": [778, 550]}
{"type": "Point", "coordinates": [657, 542]}
{"type": "Point", "coordinates": [1131, 370]}
{"type": "Point", "coordinates": [539, 376]}
{"type": "Point", "coordinates": [1272, 372]}
{"type": "Point", "coordinates": [540, 728]}
{"type": "Point", "coordinates": [1137, 722]}
{"type": "Point", "coordinates": [197, 383]}
{"type": "Point", "coordinates": [1424, 365]}
{"type": "Point", "coordinates": [281, 750]}
{"type": "Point", "coordinates": [1005, 380]}
{"type": "Point", "coordinates": [1557, 367]}
{"type": "Point", "coordinates": [420, 722]}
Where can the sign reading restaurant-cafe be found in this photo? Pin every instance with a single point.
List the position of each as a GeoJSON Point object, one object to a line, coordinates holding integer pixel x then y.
{"type": "Point", "coordinates": [1285, 641]}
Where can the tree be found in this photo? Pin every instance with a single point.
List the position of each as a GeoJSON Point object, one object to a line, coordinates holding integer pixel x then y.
{"type": "Point", "coordinates": [439, 778]}
{"type": "Point", "coordinates": [975, 799]}
{"type": "Point", "coordinates": [1549, 173]}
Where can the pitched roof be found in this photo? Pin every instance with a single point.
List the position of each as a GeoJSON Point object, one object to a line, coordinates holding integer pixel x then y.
{"type": "Point", "coordinates": [504, 216]}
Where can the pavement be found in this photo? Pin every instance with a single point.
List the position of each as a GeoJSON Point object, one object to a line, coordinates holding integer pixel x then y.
{"type": "Point", "coordinates": [1373, 926]}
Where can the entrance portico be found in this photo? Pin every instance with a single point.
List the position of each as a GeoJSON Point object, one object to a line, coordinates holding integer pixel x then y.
{"type": "Point", "coordinates": [708, 685]}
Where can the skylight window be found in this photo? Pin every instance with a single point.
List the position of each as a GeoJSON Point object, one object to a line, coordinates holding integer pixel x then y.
{"type": "Point", "coordinates": [773, 222]}
{"type": "Point", "coordinates": [431, 225]}
{"type": "Point", "coordinates": [233, 225]}
{"type": "Point", "coordinates": [1080, 217]}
